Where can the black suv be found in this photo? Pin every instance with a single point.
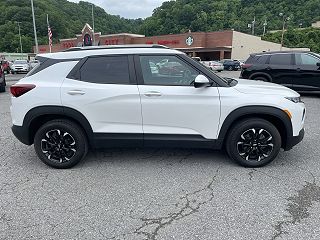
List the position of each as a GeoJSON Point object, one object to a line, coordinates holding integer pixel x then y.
{"type": "Point", "coordinates": [297, 70]}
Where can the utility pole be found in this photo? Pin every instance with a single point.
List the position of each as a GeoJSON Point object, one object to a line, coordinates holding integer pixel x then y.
{"type": "Point", "coordinates": [20, 39]}
{"type": "Point", "coordinates": [264, 27]}
{"type": "Point", "coordinates": [253, 24]}
{"type": "Point", "coordinates": [94, 39]}
{"type": "Point", "coordinates": [34, 28]}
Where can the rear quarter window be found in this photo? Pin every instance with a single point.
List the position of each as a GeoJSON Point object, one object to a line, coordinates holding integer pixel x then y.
{"type": "Point", "coordinates": [106, 70]}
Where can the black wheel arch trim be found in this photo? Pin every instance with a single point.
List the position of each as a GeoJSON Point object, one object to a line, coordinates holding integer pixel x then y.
{"type": "Point", "coordinates": [262, 74]}
{"type": "Point", "coordinates": [43, 111]}
{"type": "Point", "coordinates": [259, 111]}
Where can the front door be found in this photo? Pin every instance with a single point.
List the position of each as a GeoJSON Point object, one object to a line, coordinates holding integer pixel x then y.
{"type": "Point", "coordinates": [172, 108]}
{"type": "Point", "coordinates": [308, 72]}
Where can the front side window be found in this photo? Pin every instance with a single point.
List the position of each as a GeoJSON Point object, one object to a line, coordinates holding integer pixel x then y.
{"type": "Point", "coordinates": [106, 70]}
{"type": "Point", "coordinates": [280, 59]}
{"type": "Point", "coordinates": [167, 71]}
{"type": "Point", "coordinates": [306, 59]}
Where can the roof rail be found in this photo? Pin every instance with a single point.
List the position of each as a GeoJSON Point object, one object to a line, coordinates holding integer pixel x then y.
{"type": "Point", "coordinates": [73, 49]}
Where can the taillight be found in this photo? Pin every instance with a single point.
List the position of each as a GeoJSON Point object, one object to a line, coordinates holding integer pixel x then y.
{"type": "Point", "coordinates": [246, 65]}
{"type": "Point", "coordinates": [19, 89]}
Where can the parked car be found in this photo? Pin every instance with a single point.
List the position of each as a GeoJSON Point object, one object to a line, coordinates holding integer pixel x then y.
{"type": "Point", "coordinates": [153, 67]}
{"type": "Point", "coordinates": [5, 66]}
{"type": "Point", "coordinates": [297, 70]}
{"type": "Point", "coordinates": [231, 65]}
{"type": "Point", "coordinates": [241, 63]}
{"type": "Point", "coordinates": [20, 66]}
{"type": "Point", "coordinates": [213, 65]}
{"type": "Point", "coordinates": [109, 96]}
{"type": "Point", "coordinates": [171, 68]}
{"type": "Point", "coordinates": [198, 59]}
{"type": "Point", "coordinates": [33, 63]}
{"type": "Point", "coordinates": [2, 80]}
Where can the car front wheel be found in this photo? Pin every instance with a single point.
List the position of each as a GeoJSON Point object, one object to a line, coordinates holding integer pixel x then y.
{"type": "Point", "coordinates": [60, 143]}
{"type": "Point", "coordinates": [253, 142]}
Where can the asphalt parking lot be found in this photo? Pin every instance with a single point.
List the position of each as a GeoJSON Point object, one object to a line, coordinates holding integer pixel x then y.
{"type": "Point", "coordinates": [160, 193]}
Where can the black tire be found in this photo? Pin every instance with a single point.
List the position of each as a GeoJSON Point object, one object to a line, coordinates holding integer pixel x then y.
{"type": "Point", "coordinates": [3, 86]}
{"type": "Point", "coordinates": [230, 68]}
{"type": "Point", "coordinates": [250, 149]}
{"type": "Point", "coordinates": [50, 145]}
{"type": "Point", "coordinates": [219, 70]}
{"type": "Point", "coordinates": [261, 78]}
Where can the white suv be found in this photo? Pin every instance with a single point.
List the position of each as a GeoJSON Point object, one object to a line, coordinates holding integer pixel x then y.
{"type": "Point", "coordinates": [112, 96]}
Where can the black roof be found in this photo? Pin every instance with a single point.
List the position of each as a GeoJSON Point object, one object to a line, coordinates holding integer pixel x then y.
{"type": "Point", "coordinates": [275, 52]}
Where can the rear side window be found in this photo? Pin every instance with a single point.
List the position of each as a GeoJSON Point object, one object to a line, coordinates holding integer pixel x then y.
{"type": "Point", "coordinates": [280, 59]}
{"type": "Point", "coordinates": [106, 70]}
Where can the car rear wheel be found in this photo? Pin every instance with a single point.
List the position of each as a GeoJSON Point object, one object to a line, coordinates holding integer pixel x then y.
{"type": "Point", "coordinates": [260, 78]}
{"type": "Point", "coordinates": [230, 68]}
{"type": "Point", "coordinates": [253, 142]}
{"type": "Point", "coordinates": [61, 143]}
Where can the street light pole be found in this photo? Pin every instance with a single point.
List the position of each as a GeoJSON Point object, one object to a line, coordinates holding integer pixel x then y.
{"type": "Point", "coordinates": [253, 24]}
{"type": "Point", "coordinates": [20, 38]}
{"type": "Point", "coordinates": [264, 27]}
{"type": "Point", "coordinates": [284, 19]}
{"type": "Point", "coordinates": [94, 39]}
{"type": "Point", "coordinates": [34, 28]}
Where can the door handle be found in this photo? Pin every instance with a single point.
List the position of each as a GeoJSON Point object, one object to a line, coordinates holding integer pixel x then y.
{"type": "Point", "coordinates": [153, 94]}
{"type": "Point", "coordinates": [76, 92]}
{"type": "Point", "coordinates": [298, 69]}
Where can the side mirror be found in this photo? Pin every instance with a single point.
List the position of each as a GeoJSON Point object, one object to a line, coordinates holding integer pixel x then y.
{"type": "Point", "coordinates": [201, 82]}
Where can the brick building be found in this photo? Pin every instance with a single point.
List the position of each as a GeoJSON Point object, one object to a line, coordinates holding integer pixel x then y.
{"type": "Point", "coordinates": [206, 45]}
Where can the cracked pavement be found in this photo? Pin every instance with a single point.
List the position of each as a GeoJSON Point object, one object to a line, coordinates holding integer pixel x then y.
{"type": "Point", "coordinates": [160, 193]}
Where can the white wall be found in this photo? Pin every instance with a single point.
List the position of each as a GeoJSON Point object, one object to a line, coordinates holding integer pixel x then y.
{"type": "Point", "coordinates": [244, 44]}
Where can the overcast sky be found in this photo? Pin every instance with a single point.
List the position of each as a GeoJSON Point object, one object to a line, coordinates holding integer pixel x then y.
{"type": "Point", "coordinates": [128, 8]}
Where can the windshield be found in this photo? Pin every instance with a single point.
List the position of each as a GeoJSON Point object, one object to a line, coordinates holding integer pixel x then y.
{"type": "Point", "coordinates": [318, 55]}
{"type": "Point", "coordinates": [20, 62]}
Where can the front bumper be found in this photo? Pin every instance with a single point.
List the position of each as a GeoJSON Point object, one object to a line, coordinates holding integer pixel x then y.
{"type": "Point", "coordinates": [20, 70]}
{"type": "Point", "coordinates": [294, 140]}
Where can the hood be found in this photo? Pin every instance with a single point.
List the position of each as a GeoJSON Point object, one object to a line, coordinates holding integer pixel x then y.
{"type": "Point", "coordinates": [263, 88]}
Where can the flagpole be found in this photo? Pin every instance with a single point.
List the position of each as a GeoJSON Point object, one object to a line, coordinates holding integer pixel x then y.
{"type": "Point", "coordinates": [34, 28]}
{"type": "Point", "coordinates": [48, 32]}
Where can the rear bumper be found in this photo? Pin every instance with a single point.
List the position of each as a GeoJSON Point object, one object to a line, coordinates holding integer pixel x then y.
{"type": "Point", "coordinates": [22, 134]}
{"type": "Point", "coordinates": [294, 140]}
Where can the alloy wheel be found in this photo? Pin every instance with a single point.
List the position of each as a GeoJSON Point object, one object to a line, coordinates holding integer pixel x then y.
{"type": "Point", "coordinates": [255, 144]}
{"type": "Point", "coordinates": [58, 145]}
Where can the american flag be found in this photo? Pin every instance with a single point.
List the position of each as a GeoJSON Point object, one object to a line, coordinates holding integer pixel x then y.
{"type": "Point", "coordinates": [49, 34]}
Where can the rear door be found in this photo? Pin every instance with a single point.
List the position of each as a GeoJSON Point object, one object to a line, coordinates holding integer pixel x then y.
{"type": "Point", "coordinates": [308, 72]}
{"type": "Point", "coordinates": [281, 68]}
{"type": "Point", "coordinates": [172, 108]}
{"type": "Point", "coordinates": [104, 90]}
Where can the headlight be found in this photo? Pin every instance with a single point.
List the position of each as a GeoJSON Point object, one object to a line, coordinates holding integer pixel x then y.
{"type": "Point", "coordinates": [294, 99]}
